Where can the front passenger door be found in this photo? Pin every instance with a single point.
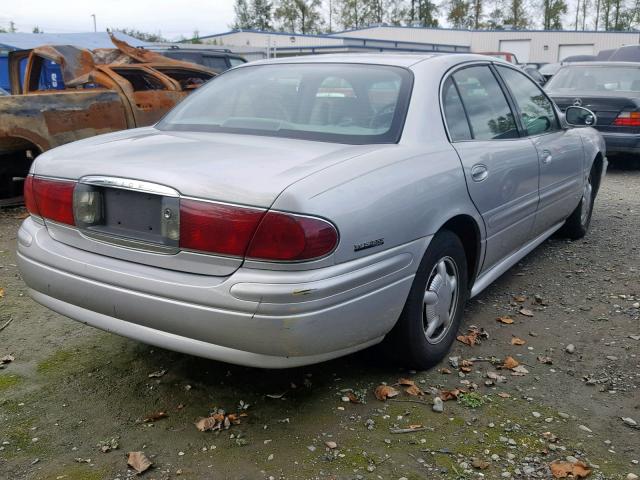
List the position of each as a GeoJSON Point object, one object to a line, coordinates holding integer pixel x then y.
{"type": "Point", "coordinates": [500, 166]}
{"type": "Point", "coordinates": [560, 151]}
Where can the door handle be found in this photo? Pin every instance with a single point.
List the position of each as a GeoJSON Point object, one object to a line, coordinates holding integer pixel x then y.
{"type": "Point", "coordinates": [479, 172]}
{"type": "Point", "coordinates": [546, 157]}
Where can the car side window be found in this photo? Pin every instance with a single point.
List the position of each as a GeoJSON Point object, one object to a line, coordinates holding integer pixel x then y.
{"type": "Point", "coordinates": [535, 108]}
{"type": "Point", "coordinates": [454, 112]}
{"type": "Point", "coordinates": [489, 113]}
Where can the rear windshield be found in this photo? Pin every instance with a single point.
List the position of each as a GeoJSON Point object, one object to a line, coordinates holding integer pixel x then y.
{"type": "Point", "coordinates": [344, 103]}
{"type": "Point", "coordinates": [589, 78]}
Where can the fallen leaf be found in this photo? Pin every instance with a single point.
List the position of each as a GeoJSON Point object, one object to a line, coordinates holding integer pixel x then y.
{"type": "Point", "coordinates": [414, 391]}
{"type": "Point", "coordinates": [7, 359]}
{"type": "Point", "coordinates": [415, 426]}
{"type": "Point", "coordinates": [382, 392]}
{"type": "Point", "coordinates": [155, 416]}
{"type": "Point", "coordinates": [504, 395]}
{"type": "Point", "coordinates": [517, 341]}
{"type": "Point", "coordinates": [405, 382]}
{"type": "Point", "coordinates": [526, 312]}
{"type": "Point", "coordinates": [331, 444]}
{"type": "Point", "coordinates": [496, 377]}
{"type": "Point", "coordinates": [545, 360]}
{"type": "Point", "coordinates": [519, 298]}
{"type": "Point", "coordinates": [470, 339]}
{"type": "Point", "coordinates": [214, 422]}
{"type": "Point", "coordinates": [560, 469]}
{"type": "Point", "coordinates": [139, 462]}
{"type": "Point", "coordinates": [353, 398]}
{"type": "Point", "coordinates": [157, 374]}
{"type": "Point", "coordinates": [445, 371]}
{"type": "Point", "coordinates": [480, 464]}
{"type": "Point", "coordinates": [506, 320]}
{"type": "Point", "coordinates": [510, 363]}
{"type": "Point", "coordinates": [446, 395]}
{"type": "Point", "coordinates": [1, 292]}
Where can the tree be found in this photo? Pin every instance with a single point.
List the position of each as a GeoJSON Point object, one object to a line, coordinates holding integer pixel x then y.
{"type": "Point", "coordinates": [459, 14]}
{"type": "Point", "coordinates": [516, 15]}
{"type": "Point", "coordinates": [552, 13]}
{"type": "Point", "coordinates": [476, 9]}
{"type": "Point", "coordinates": [243, 20]}
{"type": "Point", "coordinates": [261, 13]}
{"type": "Point", "coordinates": [37, 29]}
{"type": "Point", "coordinates": [147, 37]}
{"type": "Point", "coordinates": [349, 14]}
{"type": "Point", "coordinates": [427, 13]}
{"type": "Point", "coordinates": [301, 16]}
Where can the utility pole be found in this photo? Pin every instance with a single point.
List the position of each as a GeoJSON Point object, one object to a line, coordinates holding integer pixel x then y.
{"type": "Point", "coordinates": [94, 22]}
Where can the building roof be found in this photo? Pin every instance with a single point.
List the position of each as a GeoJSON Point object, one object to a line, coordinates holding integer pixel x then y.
{"type": "Point", "coordinates": [90, 40]}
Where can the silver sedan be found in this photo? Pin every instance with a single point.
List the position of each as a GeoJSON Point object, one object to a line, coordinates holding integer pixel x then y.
{"type": "Point", "coordinates": [297, 210]}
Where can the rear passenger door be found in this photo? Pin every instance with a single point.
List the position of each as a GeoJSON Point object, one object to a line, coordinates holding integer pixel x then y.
{"type": "Point", "coordinates": [500, 166]}
{"type": "Point", "coordinates": [560, 150]}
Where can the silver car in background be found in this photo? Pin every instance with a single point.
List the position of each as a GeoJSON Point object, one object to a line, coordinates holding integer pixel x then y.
{"type": "Point", "coordinates": [297, 210]}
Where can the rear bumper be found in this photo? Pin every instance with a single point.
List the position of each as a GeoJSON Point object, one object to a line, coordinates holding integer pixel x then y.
{"type": "Point", "coordinates": [260, 318]}
{"type": "Point", "coordinates": [621, 142]}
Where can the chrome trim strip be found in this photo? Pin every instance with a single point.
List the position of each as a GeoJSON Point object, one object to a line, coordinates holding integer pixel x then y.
{"type": "Point", "coordinates": [129, 184]}
{"type": "Point", "coordinates": [496, 271]}
{"type": "Point", "coordinates": [128, 242]}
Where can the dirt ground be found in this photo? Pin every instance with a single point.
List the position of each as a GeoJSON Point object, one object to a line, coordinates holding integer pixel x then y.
{"type": "Point", "coordinates": [72, 387]}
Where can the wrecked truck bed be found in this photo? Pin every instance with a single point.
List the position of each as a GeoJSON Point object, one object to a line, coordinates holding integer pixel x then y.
{"type": "Point", "coordinates": [101, 91]}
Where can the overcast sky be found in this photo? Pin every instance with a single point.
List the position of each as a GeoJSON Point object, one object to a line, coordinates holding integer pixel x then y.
{"type": "Point", "coordinates": [171, 18]}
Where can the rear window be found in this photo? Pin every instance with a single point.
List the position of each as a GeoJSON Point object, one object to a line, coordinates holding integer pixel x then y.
{"type": "Point", "coordinates": [342, 103]}
{"type": "Point", "coordinates": [589, 78]}
{"type": "Point", "coordinates": [139, 79]}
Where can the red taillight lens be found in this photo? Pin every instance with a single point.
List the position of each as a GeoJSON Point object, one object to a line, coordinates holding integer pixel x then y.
{"type": "Point", "coordinates": [289, 237]}
{"type": "Point", "coordinates": [627, 119]}
{"type": "Point", "coordinates": [29, 197]}
{"type": "Point", "coordinates": [217, 228]}
{"type": "Point", "coordinates": [52, 199]}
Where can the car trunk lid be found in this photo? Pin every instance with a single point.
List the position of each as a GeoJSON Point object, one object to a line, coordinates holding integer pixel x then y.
{"type": "Point", "coordinates": [607, 107]}
{"type": "Point", "coordinates": [143, 176]}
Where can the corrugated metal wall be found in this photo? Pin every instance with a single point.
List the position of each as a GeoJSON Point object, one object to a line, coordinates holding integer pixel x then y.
{"type": "Point", "coordinates": [545, 46]}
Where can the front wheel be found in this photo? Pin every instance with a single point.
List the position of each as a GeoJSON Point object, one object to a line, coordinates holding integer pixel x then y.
{"type": "Point", "coordinates": [577, 225]}
{"type": "Point", "coordinates": [433, 311]}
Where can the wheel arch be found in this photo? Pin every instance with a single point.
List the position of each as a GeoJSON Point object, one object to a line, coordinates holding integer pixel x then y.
{"type": "Point", "coordinates": [598, 167]}
{"type": "Point", "coordinates": [467, 229]}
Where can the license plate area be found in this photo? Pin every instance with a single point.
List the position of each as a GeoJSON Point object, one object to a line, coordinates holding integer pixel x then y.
{"type": "Point", "coordinates": [127, 217]}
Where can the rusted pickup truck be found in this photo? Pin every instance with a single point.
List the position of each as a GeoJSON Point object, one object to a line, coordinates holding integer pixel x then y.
{"type": "Point", "coordinates": [100, 91]}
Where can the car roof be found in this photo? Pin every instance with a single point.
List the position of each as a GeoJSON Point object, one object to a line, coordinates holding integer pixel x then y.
{"type": "Point", "coordinates": [382, 58]}
{"type": "Point", "coordinates": [602, 64]}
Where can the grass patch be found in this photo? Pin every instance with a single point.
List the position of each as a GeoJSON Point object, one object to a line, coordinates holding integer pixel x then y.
{"type": "Point", "coordinates": [55, 362]}
{"type": "Point", "coordinates": [8, 381]}
{"type": "Point", "coordinates": [471, 400]}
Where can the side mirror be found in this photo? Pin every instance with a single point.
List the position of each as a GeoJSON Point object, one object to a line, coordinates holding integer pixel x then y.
{"type": "Point", "coordinates": [580, 117]}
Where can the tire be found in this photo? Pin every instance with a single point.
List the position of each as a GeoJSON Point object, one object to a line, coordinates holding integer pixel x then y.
{"type": "Point", "coordinates": [411, 343]}
{"type": "Point", "coordinates": [577, 225]}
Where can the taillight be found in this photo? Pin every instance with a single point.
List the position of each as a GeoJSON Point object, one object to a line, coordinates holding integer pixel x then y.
{"type": "Point", "coordinates": [242, 231]}
{"type": "Point", "coordinates": [216, 227]}
{"type": "Point", "coordinates": [289, 237]}
{"type": "Point", "coordinates": [29, 197]}
{"type": "Point", "coordinates": [627, 119]}
{"type": "Point", "coordinates": [51, 199]}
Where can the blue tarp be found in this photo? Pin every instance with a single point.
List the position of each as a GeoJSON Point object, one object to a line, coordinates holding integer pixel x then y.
{"type": "Point", "coordinates": [51, 77]}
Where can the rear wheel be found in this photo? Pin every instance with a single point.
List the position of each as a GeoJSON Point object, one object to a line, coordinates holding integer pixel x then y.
{"type": "Point", "coordinates": [433, 312]}
{"type": "Point", "coordinates": [577, 225]}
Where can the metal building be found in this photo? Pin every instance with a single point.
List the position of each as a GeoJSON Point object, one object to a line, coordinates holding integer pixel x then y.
{"type": "Point", "coordinates": [528, 45]}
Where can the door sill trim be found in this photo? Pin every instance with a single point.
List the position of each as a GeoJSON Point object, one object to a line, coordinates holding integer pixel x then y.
{"type": "Point", "coordinates": [496, 271]}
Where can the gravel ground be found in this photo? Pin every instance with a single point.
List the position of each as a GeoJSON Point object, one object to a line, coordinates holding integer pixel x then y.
{"type": "Point", "coordinates": [72, 389]}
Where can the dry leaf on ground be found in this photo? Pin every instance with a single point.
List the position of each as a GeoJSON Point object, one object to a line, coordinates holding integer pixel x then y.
{"type": "Point", "coordinates": [1, 292]}
{"type": "Point", "coordinates": [139, 462]}
{"type": "Point", "coordinates": [526, 312]}
{"type": "Point", "coordinates": [504, 395]}
{"type": "Point", "coordinates": [414, 391]}
{"type": "Point", "coordinates": [446, 395]}
{"type": "Point", "coordinates": [519, 371]}
{"type": "Point", "coordinates": [218, 421]}
{"type": "Point", "coordinates": [564, 469]}
{"type": "Point", "coordinates": [544, 359]}
{"type": "Point", "coordinates": [470, 339]}
{"type": "Point", "coordinates": [382, 392]}
{"type": "Point", "coordinates": [480, 464]}
{"type": "Point", "coordinates": [519, 298]}
{"type": "Point", "coordinates": [445, 371]}
{"type": "Point", "coordinates": [505, 319]}
{"type": "Point", "coordinates": [510, 363]}
{"type": "Point", "coordinates": [353, 398]}
{"type": "Point", "coordinates": [157, 374]}
{"type": "Point", "coordinates": [405, 382]}
{"type": "Point", "coordinates": [518, 341]}
{"type": "Point", "coordinates": [152, 417]}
